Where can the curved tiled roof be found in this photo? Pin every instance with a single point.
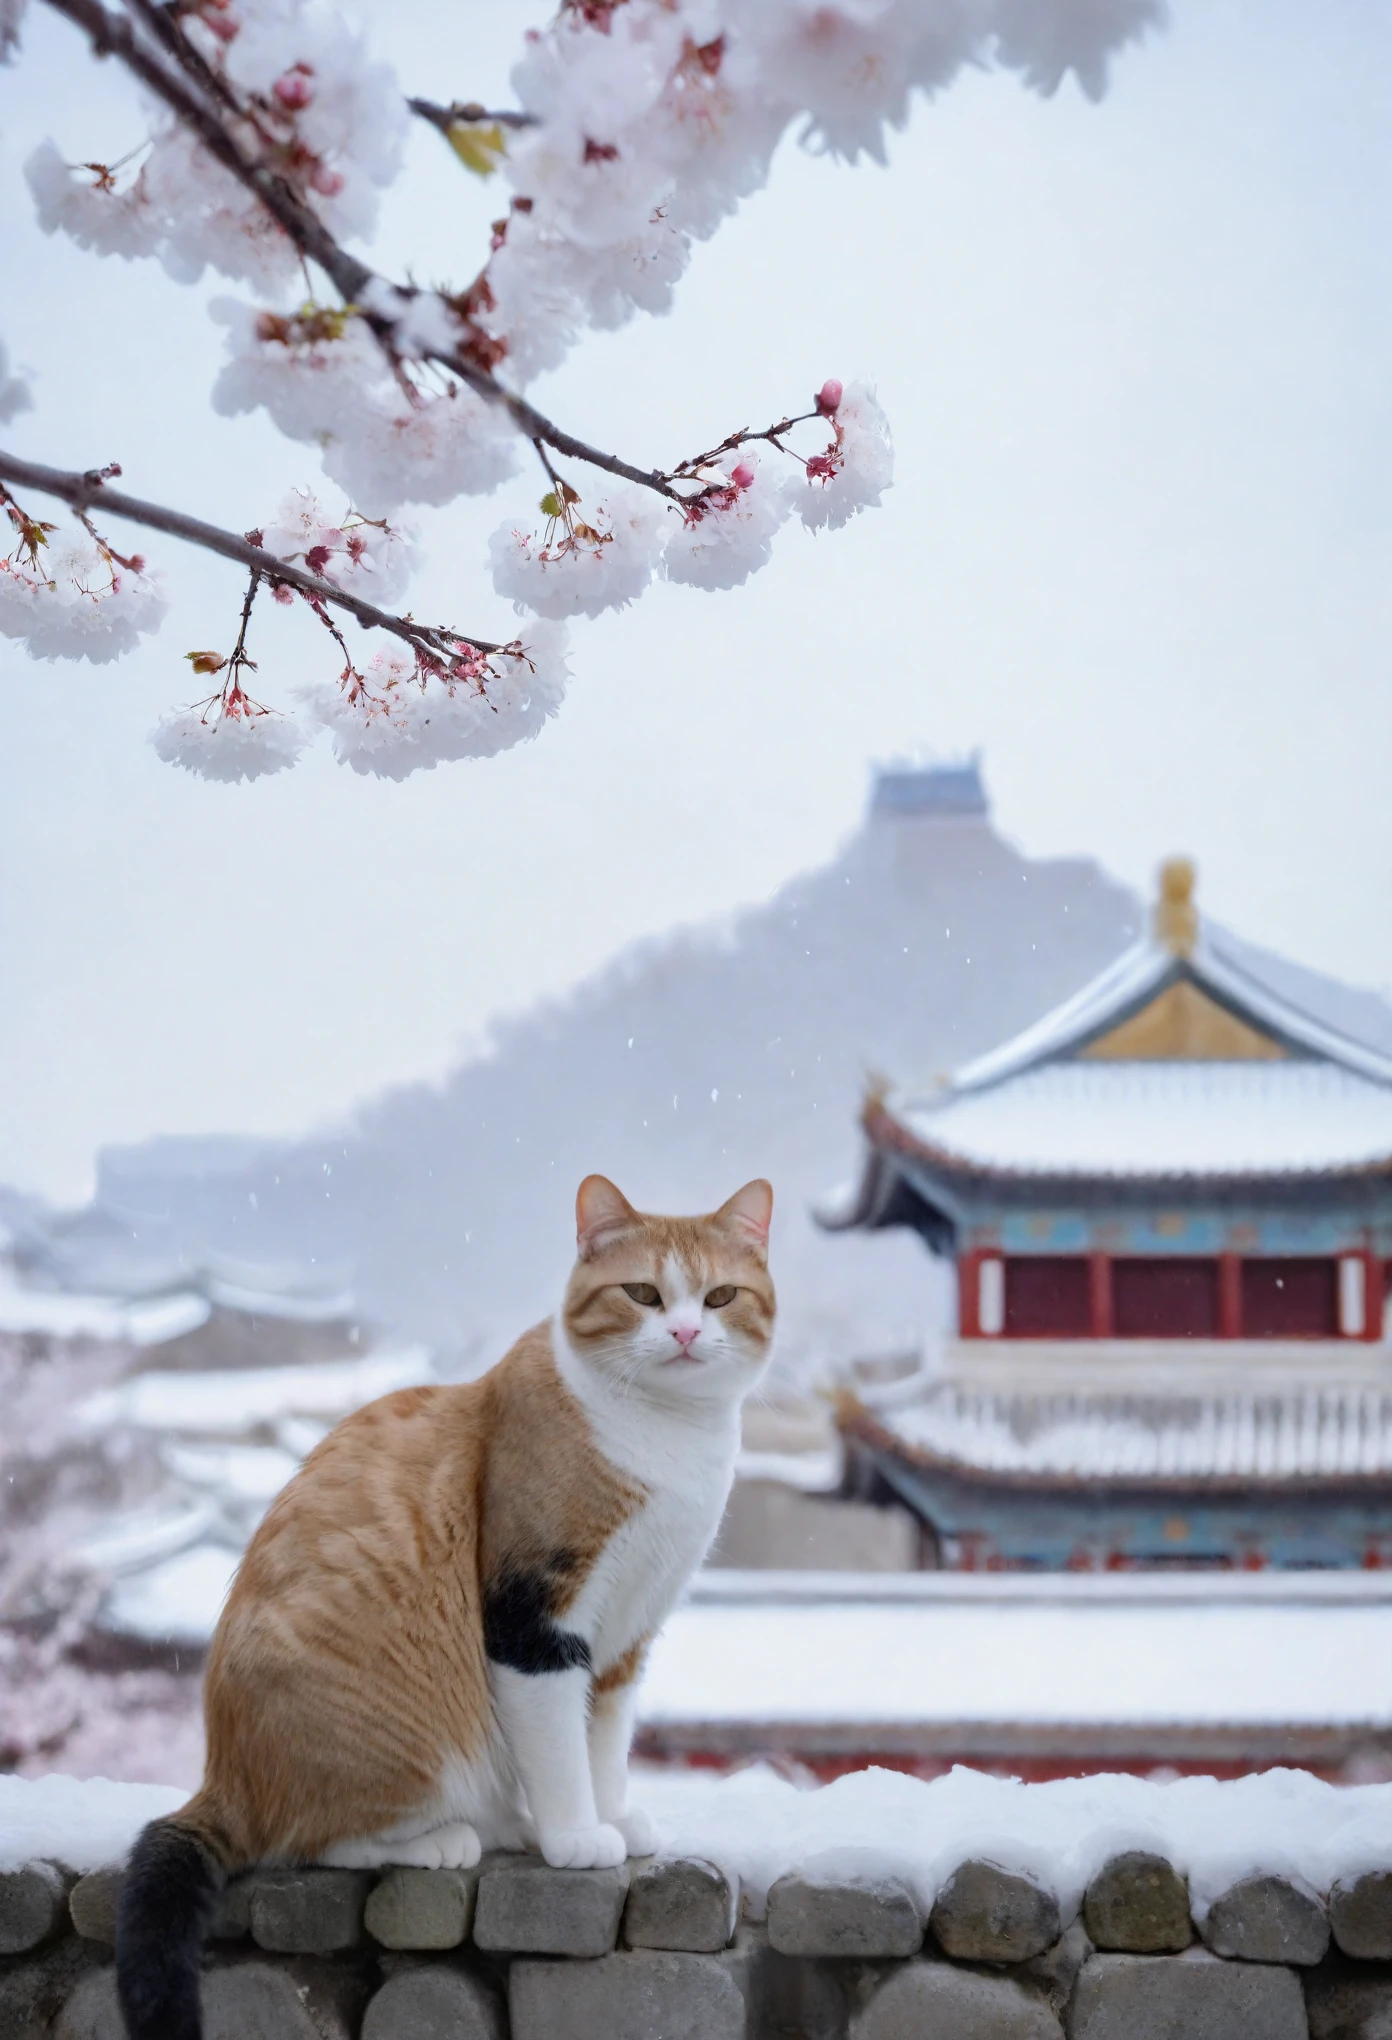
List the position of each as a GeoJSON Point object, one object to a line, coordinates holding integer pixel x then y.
{"type": "Point", "coordinates": [1218, 967]}
{"type": "Point", "coordinates": [1157, 1120]}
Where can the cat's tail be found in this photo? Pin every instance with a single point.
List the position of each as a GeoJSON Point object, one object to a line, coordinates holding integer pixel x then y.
{"type": "Point", "coordinates": [169, 1892]}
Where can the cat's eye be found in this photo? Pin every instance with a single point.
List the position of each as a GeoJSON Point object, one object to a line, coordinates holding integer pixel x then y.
{"type": "Point", "coordinates": [717, 1299]}
{"type": "Point", "coordinates": [644, 1293]}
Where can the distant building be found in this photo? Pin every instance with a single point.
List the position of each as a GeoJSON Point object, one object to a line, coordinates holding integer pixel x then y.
{"type": "Point", "coordinates": [1169, 1206]}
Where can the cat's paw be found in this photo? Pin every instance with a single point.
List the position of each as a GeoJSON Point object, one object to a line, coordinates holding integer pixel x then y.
{"type": "Point", "coordinates": [589, 1848]}
{"type": "Point", "coordinates": [458, 1845]}
{"type": "Point", "coordinates": [639, 1831]}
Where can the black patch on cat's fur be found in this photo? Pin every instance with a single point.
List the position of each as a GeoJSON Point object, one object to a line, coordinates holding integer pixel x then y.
{"type": "Point", "coordinates": [168, 1893]}
{"type": "Point", "coordinates": [518, 1630]}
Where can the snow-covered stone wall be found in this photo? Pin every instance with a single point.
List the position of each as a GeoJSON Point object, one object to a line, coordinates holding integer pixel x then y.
{"type": "Point", "coordinates": [927, 1934]}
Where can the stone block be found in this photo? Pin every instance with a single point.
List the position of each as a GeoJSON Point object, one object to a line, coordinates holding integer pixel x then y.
{"type": "Point", "coordinates": [680, 1902]}
{"type": "Point", "coordinates": [1349, 2003]}
{"type": "Point", "coordinates": [1360, 1912]}
{"type": "Point", "coordinates": [434, 2002]}
{"type": "Point", "coordinates": [986, 1914]}
{"type": "Point", "coordinates": [92, 2012]}
{"type": "Point", "coordinates": [1056, 1971]}
{"type": "Point", "coordinates": [247, 1999]}
{"type": "Point", "coordinates": [1138, 1903]}
{"type": "Point", "coordinates": [34, 1988]}
{"type": "Point", "coordinates": [525, 1908]}
{"type": "Point", "coordinates": [646, 1994]}
{"type": "Point", "coordinates": [1268, 1919]}
{"type": "Point", "coordinates": [790, 1997]}
{"type": "Point", "coordinates": [232, 1914]}
{"type": "Point", "coordinates": [32, 1907]}
{"type": "Point", "coordinates": [865, 1916]}
{"type": "Point", "coordinates": [931, 1998]}
{"type": "Point", "coordinates": [427, 1909]}
{"type": "Point", "coordinates": [308, 1912]}
{"type": "Point", "coordinates": [92, 1905]}
{"type": "Point", "coordinates": [1185, 1997]}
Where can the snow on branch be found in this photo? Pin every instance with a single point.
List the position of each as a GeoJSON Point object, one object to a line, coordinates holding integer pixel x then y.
{"type": "Point", "coordinates": [640, 125]}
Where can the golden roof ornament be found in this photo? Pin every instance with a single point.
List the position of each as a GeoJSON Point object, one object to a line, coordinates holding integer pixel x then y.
{"type": "Point", "coordinates": [1176, 916]}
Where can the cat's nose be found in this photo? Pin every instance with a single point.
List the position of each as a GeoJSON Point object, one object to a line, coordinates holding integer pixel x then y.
{"type": "Point", "coordinates": [685, 1335]}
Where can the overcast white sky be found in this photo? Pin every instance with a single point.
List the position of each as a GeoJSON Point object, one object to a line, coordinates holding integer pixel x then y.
{"type": "Point", "coordinates": [1136, 358]}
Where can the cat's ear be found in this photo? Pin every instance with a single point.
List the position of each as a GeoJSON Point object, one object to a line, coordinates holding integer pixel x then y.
{"type": "Point", "coordinates": [750, 1210]}
{"type": "Point", "coordinates": [601, 1211]}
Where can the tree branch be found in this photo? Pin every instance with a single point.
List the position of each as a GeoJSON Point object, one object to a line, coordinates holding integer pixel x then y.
{"type": "Point", "coordinates": [112, 34]}
{"type": "Point", "coordinates": [81, 491]}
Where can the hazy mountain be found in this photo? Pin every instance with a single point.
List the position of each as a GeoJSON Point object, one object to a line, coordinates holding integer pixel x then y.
{"type": "Point", "coordinates": [689, 1065]}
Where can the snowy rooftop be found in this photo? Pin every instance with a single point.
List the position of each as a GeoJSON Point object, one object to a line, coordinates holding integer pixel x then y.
{"type": "Point", "coordinates": [235, 1401]}
{"type": "Point", "coordinates": [1247, 1435]}
{"type": "Point", "coordinates": [1177, 1061]}
{"type": "Point", "coordinates": [943, 1650]}
{"type": "Point", "coordinates": [1160, 1119]}
{"type": "Point", "coordinates": [60, 1315]}
{"type": "Point", "coordinates": [1218, 967]}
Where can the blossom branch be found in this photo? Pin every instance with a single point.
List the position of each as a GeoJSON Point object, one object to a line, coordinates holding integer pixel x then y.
{"type": "Point", "coordinates": [80, 491]}
{"type": "Point", "coordinates": [771, 433]}
{"type": "Point", "coordinates": [113, 35]}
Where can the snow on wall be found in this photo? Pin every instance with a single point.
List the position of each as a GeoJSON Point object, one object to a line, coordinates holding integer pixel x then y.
{"type": "Point", "coordinates": [1280, 1822]}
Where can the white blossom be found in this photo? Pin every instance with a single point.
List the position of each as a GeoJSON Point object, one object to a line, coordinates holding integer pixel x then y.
{"type": "Point", "coordinates": [71, 200]}
{"type": "Point", "coordinates": [349, 113]}
{"type": "Point", "coordinates": [14, 390]}
{"type": "Point", "coordinates": [78, 604]}
{"type": "Point", "coordinates": [332, 117]}
{"type": "Point", "coordinates": [726, 536]}
{"type": "Point", "coordinates": [323, 379]}
{"type": "Point", "coordinates": [373, 559]}
{"type": "Point", "coordinates": [854, 470]}
{"type": "Point", "coordinates": [228, 747]}
{"type": "Point", "coordinates": [400, 723]}
{"type": "Point", "coordinates": [1046, 39]}
{"type": "Point", "coordinates": [604, 562]}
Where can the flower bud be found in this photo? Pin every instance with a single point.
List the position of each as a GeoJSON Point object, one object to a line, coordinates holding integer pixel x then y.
{"type": "Point", "coordinates": [328, 183]}
{"type": "Point", "coordinates": [742, 476]}
{"type": "Point", "coordinates": [293, 89]}
{"type": "Point", "coordinates": [829, 397]}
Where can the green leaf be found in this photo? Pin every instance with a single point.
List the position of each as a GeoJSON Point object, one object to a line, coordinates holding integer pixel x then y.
{"type": "Point", "coordinates": [550, 504]}
{"type": "Point", "coordinates": [478, 148]}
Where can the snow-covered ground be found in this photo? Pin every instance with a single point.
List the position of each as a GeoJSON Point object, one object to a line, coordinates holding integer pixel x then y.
{"type": "Point", "coordinates": [760, 1825]}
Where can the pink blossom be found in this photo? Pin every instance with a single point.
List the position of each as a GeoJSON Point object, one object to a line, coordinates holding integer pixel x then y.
{"type": "Point", "coordinates": [742, 476]}
{"type": "Point", "coordinates": [294, 89]}
{"type": "Point", "coordinates": [829, 397]}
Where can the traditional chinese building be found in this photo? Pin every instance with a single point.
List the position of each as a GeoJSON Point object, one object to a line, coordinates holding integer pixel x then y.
{"type": "Point", "coordinates": [1169, 1207]}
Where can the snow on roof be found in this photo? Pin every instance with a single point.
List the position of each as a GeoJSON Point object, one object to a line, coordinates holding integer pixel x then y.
{"type": "Point", "coordinates": [232, 1401]}
{"type": "Point", "coordinates": [301, 1308]}
{"type": "Point", "coordinates": [1093, 1662]}
{"type": "Point", "coordinates": [109, 1319]}
{"type": "Point", "coordinates": [760, 1826]}
{"type": "Point", "coordinates": [1159, 1119]}
{"type": "Point", "coordinates": [176, 1602]}
{"type": "Point", "coordinates": [1247, 1435]}
{"type": "Point", "coordinates": [1142, 971]}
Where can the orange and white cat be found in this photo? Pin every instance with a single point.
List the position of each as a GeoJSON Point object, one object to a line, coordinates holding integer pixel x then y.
{"type": "Point", "coordinates": [433, 1643]}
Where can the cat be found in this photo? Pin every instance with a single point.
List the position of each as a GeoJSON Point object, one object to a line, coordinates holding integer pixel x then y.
{"type": "Point", "coordinates": [433, 1642]}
